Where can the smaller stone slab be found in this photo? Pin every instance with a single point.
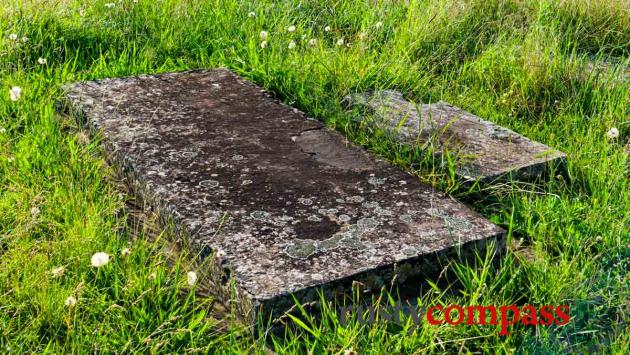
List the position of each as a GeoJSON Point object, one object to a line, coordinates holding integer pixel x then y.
{"type": "Point", "coordinates": [484, 150]}
{"type": "Point", "coordinates": [284, 206]}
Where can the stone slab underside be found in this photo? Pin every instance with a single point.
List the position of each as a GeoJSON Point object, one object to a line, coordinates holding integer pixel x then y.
{"type": "Point", "coordinates": [483, 150]}
{"type": "Point", "coordinates": [287, 205]}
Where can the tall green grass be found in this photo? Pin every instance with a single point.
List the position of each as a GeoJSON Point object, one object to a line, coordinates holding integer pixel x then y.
{"type": "Point", "coordinates": [522, 64]}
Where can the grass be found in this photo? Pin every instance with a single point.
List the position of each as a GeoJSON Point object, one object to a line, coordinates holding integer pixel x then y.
{"type": "Point", "coordinates": [520, 63]}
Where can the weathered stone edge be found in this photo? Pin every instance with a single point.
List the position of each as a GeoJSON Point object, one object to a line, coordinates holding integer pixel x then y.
{"type": "Point", "coordinates": [524, 172]}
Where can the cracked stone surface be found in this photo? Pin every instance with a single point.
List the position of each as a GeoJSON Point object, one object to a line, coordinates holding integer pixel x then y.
{"type": "Point", "coordinates": [287, 205]}
{"type": "Point", "coordinates": [484, 150]}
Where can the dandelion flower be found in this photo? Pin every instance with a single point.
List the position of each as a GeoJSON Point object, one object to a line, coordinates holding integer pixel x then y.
{"type": "Point", "coordinates": [327, 29]}
{"type": "Point", "coordinates": [42, 61]}
{"type": "Point", "coordinates": [291, 29]}
{"type": "Point", "coordinates": [70, 301]}
{"type": "Point", "coordinates": [251, 14]}
{"type": "Point", "coordinates": [613, 133]}
{"type": "Point", "coordinates": [100, 259]}
{"type": "Point", "coordinates": [292, 44]}
{"type": "Point", "coordinates": [13, 37]}
{"type": "Point", "coordinates": [379, 24]}
{"type": "Point", "coordinates": [312, 42]}
{"type": "Point", "coordinates": [340, 42]}
{"type": "Point", "coordinates": [15, 93]}
{"type": "Point", "coordinates": [58, 271]}
{"type": "Point", "coordinates": [192, 278]}
{"type": "Point", "coordinates": [264, 35]}
{"type": "Point", "coordinates": [263, 44]}
{"type": "Point", "coordinates": [125, 252]}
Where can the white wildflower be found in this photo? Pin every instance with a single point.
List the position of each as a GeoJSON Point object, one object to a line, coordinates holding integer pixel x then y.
{"type": "Point", "coordinates": [292, 44]}
{"type": "Point", "coordinates": [264, 35]}
{"type": "Point", "coordinates": [613, 133]}
{"type": "Point", "coordinates": [100, 259]}
{"type": "Point", "coordinates": [10, 159]}
{"type": "Point", "coordinates": [70, 301]}
{"type": "Point", "coordinates": [312, 42]}
{"type": "Point", "coordinates": [153, 275]}
{"type": "Point", "coordinates": [3, 130]}
{"type": "Point", "coordinates": [379, 24]}
{"type": "Point", "coordinates": [110, 5]}
{"type": "Point", "coordinates": [42, 61]}
{"type": "Point", "coordinates": [192, 278]}
{"type": "Point", "coordinates": [13, 37]}
{"type": "Point", "coordinates": [24, 39]}
{"type": "Point", "coordinates": [58, 271]}
{"type": "Point", "coordinates": [15, 93]}
{"type": "Point", "coordinates": [125, 252]}
{"type": "Point", "coordinates": [251, 14]}
{"type": "Point", "coordinates": [291, 29]}
{"type": "Point", "coordinates": [263, 44]}
{"type": "Point", "coordinates": [220, 253]}
{"type": "Point", "coordinates": [327, 29]}
{"type": "Point", "coordinates": [35, 211]}
{"type": "Point", "coordinates": [340, 42]}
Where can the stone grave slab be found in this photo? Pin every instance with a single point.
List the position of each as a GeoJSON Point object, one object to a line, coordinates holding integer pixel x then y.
{"type": "Point", "coordinates": [284, 206]}
{"type": "Point", "coordinates": [484, 151]}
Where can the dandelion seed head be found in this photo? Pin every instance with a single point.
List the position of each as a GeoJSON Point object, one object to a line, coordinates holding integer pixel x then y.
{"type": "Point", "coordinates": [70, 301]}
{"type": "Point", "coordinates": [13, 37]}
{"type": "Point", "coordinates": [327, 29]}
{"type": "Point", "coordinates": [42, 61]}
{"type": "Point", "coordinates": [125, 252]}
{"type": "Point", "coordinates": [613, 133]}
{"type": "Point", "coordinates": [110, 5]}
{"type": "Point", "coordinates": [291, 28]}
{"type": "Point", "coordinates": [263, 44]}
{"type": "Point", "coordinates": [191, 278]}
{"type": "Point", "coordinates": [100, 259]}
{"type": "Point", "coordinates": [35, 211]}
{"type": "Point", "coordinates": [3, 130]}
{"type": "Point", "coordinates": [292, 44]}
{"type": "Point", "coordinates": [312, 42]}
{"type": "Point", "coordinates": [379, 24]}
{"type": "Point", "coordinates": [15, 93]}
{"type": "Point", "coordinates": [58, 271]}
{"type": "Point", "coordinates": [251, 14]}
{"type": "Point", "coordinates": [153, 275]}
{"type": "Point", "coordinates": [340, 42]}
{"type": "Point", "coordinates": [264, 35]}
{"type": "Point", "coordinates": [24, 39]}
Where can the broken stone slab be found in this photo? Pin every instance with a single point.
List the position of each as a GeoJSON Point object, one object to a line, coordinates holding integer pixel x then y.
{"type": "Point", "coordinates": [484, 151]}
{"type": "Point", "coordinates": [284, 206]}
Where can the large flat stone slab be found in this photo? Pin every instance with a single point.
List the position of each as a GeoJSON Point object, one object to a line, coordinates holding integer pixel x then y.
{"type": "Point", "coordinates": [484, 150]}
{"type": "Point", "coordinates": [287, 205]}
